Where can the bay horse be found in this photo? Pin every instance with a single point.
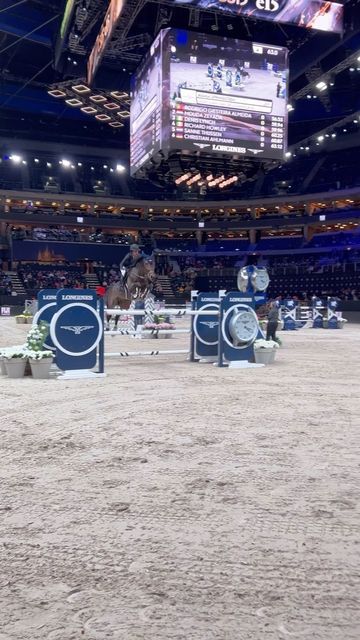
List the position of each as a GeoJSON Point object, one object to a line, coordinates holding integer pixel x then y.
{"type": "Point", "coordinates": [136, 286]}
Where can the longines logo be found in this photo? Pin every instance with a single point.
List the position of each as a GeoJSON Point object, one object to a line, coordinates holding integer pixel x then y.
{"type": "Point", "coordinates": [78, 329]}
{"type": "Point", "coordinates": [210, 323]}
{"type": "Point", "coordinates": [224, 147]}
{"type": "Point", "coordinates": [265, 5]}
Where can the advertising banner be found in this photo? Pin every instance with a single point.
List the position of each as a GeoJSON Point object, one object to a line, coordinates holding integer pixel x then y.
{"type": "Point", "coordinates": [105, 34]}
{"type": "Point", "coordinates": [311, 14]}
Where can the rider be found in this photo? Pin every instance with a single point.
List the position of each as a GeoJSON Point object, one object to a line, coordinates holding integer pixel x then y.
{"type": "Point", "coordinates": [131, 259]}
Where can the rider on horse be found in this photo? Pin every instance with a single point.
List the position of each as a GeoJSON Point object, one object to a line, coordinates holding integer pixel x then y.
{"type": "Point", "coordinates": [134, 257]}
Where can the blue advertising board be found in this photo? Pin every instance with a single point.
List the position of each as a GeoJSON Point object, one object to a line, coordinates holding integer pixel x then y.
{"type": "Point", "coordinates": [318, 319]}
{"type": "Point", "coordinates": [76, 329]}
{"type": "Point", "coordinates": [239, 328]}
{"type": "Point", "coordinates": [289, 314]}
{"type": "Point", "coordinates": [332, 309]}
{"type": "Point", "coordinates": [206, 328]}
{"type": "Point", "coordinates": [46, 309]}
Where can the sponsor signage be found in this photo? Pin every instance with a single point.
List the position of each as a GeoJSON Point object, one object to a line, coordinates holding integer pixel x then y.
{"type": "Point", "coordinates": [45, 312]}
{"type": "Point", "coordinates": [105, 34]}
{"type": "Point", "coordinates": [76, 329]}
{"type": "Point", "coordinates": [5, 311]}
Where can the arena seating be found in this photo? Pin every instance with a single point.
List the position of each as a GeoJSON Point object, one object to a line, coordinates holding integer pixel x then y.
{"type": "Point", "coordinates": [37, 276]}
{"type": "Point", "coordinates": [176, 244]}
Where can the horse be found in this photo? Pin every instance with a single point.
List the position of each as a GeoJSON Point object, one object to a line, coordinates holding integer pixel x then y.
{"type": "Point", "coordinates": [135, 287]}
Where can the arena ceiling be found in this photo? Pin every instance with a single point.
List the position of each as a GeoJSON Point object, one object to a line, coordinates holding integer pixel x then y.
{"type": "Point", "coordinates": [28, 36]}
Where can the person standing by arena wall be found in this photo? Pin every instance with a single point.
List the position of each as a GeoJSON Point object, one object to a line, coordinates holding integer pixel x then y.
{"type": "Point", "coordinates": [273, 321]}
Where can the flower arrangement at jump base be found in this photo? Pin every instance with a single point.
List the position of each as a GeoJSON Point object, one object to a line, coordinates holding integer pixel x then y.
{"type": "Point", "coordinates": [24, 318]}
{"type": "Point", "coordinates": [161, 323]}
{"type": "Point", "coordinates": [265, 351]}
{"type": "Point", "coordinates": [15, 359]}
{"type": "Point", "coordinates": [40, 359]}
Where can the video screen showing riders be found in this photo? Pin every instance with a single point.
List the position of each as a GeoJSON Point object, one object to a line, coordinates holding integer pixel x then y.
{"type": "Point", "coordinates": [228, 93]}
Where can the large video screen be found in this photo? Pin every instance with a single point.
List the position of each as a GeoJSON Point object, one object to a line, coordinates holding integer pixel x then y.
{"type": "Point", "coordinates": [312, 14]}
{"type": "Point", "coordinates": [227, 96]}
{"type": "Point", "coordinates": [220, 96]}
{"type": "Point", "coordinates": [146, 118]}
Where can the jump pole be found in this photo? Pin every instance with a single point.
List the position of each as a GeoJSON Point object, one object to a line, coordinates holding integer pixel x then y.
{"type": "Point", "coordinates": [125, 354]}
{"type": "Point", "coordinates": [145, 332]}
{"type": "Point", "coordinates": [169, 312]}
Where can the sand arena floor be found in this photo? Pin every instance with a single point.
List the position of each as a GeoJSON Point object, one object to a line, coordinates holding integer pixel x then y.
{"type": "Point", "coordinates": [178, 501]}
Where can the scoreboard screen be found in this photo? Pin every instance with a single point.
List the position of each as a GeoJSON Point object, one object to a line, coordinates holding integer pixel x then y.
{"type": "Point", "coordinates": [227, 96]}
{"type": "Point", "coordinates": [209, 94]}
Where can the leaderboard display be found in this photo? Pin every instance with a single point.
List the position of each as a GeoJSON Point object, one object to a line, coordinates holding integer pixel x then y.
{"type": "Point", "coordinates": [227, 96]}
{"type": "Point", "coordinates": [209, 94]}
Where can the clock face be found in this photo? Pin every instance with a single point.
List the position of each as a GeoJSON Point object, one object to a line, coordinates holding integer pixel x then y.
{"type": "Point", "coordinates": [244, 327]}
{"type": "Point", "coordinates": [262, 280]}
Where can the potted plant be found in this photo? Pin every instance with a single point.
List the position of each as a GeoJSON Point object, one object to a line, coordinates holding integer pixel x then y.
{"type": "Point", "coordinates": [40, 363]}
{"type": "Point", "coordinates": [265, 350]}
{"type": "Point", "coordinates": [20, 319]}
{"type": "Point", "coordinates": [28, 317]}
{"type": "Point", "coordinates": [2, 362]}
{"type": "Point", "coordinates": [40, 359]}
{"type": "Point", "coordinates": [15, 361]}
{"type": "Point", "coordinates": [161, 323]}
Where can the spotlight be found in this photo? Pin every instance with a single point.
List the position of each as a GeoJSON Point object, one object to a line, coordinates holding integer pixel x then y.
{"type": "Point", "coordinates": [15, 158]}
{"type": "Point", "coordinates": [80, 88]}
{"type": "Point", "coordinates": [73, 102]}
{"type": "Point", "coordinates": [88, 110]}
{"type": "Point", "coordinates": [111, 105]}
{"type": "Point", "coordinates": [65, 163]}
{"type": "Point", "coordinates": [120, 168]}
{"type": "Point", "coordinates": [102, 117]}
{"type": "Point", "coordinates": [98, 98]}
{"type": "Point", "coordinates": [119, 95]}
{"type": "Point", "coordinates": [36, 160]}
{"type": "Point", "coordinates": [56, 93]}
{"type": "Point", "coordinates": [288, 154]}
{"type": "Point", "coordinates": [321, 85]}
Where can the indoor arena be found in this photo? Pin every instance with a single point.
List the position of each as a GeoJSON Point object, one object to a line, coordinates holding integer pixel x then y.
{"type": "Point", "coordinates": [179, 320]}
